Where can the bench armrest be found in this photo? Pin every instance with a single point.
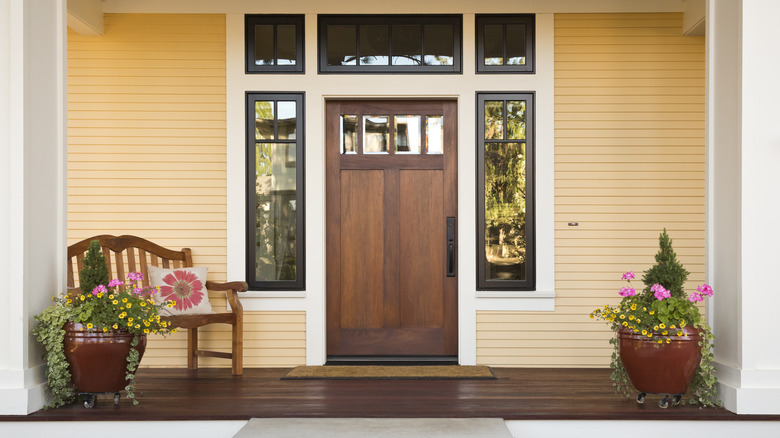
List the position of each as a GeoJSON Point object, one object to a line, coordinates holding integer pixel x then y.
{"type": "Point", "coordinates": [231, 290]}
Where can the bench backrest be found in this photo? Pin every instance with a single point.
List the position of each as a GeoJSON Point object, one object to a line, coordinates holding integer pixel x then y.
{"type": "Point", "coordinates": [126, 254]}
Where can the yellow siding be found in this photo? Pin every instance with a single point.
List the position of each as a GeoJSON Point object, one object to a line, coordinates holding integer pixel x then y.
{"type": "Point", "coordinates": [147, 156]}
{"type": "Point", "coordinates": [629, 161]}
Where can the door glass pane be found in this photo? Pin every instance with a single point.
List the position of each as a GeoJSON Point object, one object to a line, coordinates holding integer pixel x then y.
{"type": "Point", "coordinates": [342, 44]}
{"type": "Point", "coordinates": [286, 120]}
{"type": "Point", "coordinates": [264, 120]}
{"type": "Point", "coordinates": [515, 119]}
{"type": "Point", "coordinates": [285, 44]}
{"type": "Point", "coordinates": [494, 44]}
{"type": "Point", "coordinates": [264, 44]}
{"type": "Point", "coordinates": [349, 134]}
{"type": "Point", "coordinates": [374, 45]}
{"type": "Point", "coordinates": [434, 134]}
{"type": "Point", "coordinates": [438, 44]}
{"type": "Point", "coordinates": [505, 196]}
{"type": "Point", "coordinates": [407, 44]}
{"type": "Point", "coordinates": [494, 119]}
{"type": "Point", "coordinates": [407, 134]}
{"type": "Point", "coordinates": [515, 44]}
{"type": "Point", "coordinates": [376, 133]}
{"type": "Point", "coordinates": [275, 207]}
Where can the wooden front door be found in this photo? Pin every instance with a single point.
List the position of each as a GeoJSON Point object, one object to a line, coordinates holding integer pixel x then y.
{"type": "Point", "coordinates": [391, 219]}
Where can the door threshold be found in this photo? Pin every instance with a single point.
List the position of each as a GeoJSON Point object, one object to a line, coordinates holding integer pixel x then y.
{"type": "Point", "coordinates": [392, 360]}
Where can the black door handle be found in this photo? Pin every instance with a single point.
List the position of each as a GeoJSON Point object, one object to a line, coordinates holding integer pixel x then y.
{"type": "Point", "coordinates": [450, 247]}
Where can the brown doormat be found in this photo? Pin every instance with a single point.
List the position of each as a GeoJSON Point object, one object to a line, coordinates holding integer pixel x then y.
{"type": "Point", "coordinates": [378, 372]}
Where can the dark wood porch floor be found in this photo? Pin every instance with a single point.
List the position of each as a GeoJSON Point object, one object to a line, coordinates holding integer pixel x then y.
{"type": "Point", "coordinates": [517, 394]}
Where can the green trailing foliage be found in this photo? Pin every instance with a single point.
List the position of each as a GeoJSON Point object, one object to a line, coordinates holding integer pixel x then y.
{"type": "Point", "coordinates": [50, 333]}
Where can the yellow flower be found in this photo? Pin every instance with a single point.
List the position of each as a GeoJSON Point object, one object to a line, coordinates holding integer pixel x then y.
{"type": "Point", "coordinates": [679, 333]}
{"type": "Point", "coordinates": [100, 295]}
{"type": "Point", "coordinates": [614, 310]}
{"type": "Point", "coordinates": [644, 332]}
{"type": "Point", "coordinates": [649, 335]}
{"type": "Point", "coordinates": [638, 320]}
{"type": "Point", "coordinates": [668, 340]}
{"type": "Point", "coordinates": [111, 297]}
{"type": "Point", "coordinates": [130, 319]}
{"type": "Point", "coordinates": [143, 304]}
{"type": "Point", "coordinates": [660, 341]}
{"type": "Point", "coordinates": [662, 325]}
{"type": "Point", "coordinates": [69, 301]}
{"type": "Point", "coordinates": [129, 324]}
{"type": "Point", "coordinates": [591, 316]}
{"type": "Point", "coordinates": [122, 315]}
{"type": "Point", "coordinates": [138, 326]}
{"type": "Point", "coordinates": [89, 326]}
{"type": "Point", "coordinates": [170, 304]}
{"type": "Point", "coordinates": [124, 300]}
{"type": "Point", "coordinates": [665, 333]}
{"type": "Point", "coordinates": [129, 305]}
{"type": "Point", "coordinates": [644, 309]}
{"type": "Point", "coordinates": [633, 306]}
{"type": "Point", "coordinates": [115, 326]}
{"type": "Point", "coordinates": [146, 323]}
{"type": "Point", "coordinates": [115, 302]}
{"type": "Point", "coordinates": [682, 323]}
{"type": "Point", "coordinates": [174, 330]}
{"type": "Point", "coordinates": [655, 327]}
{"type": "Point", "coordinates": [625, 324]}
{"type": "Point", "coordinates": [672, 326]}
{"type": "Point", "coordinates": [146, 330]}
{"type": "Point", "coordinates": [622, 316]}
{"type": "Point", "coordinates": [82, 298]}
{"type": "Point", "coordinates": [652, 312]}
{"type": "Point", "coordinates": [105, 329]}
{"type": "Point", "coordinates": [631, 318]}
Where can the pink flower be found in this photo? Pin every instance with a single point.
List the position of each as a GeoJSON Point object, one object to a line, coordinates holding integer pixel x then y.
{"type": "Point", "coordinates": [705, 290]}
{"type": "Point", "coordinates": [115, 282]}
{"type": "Point", "coordinates": [138, 290]}
{"type": "Point", "coordinates": [628, 276]}
{"type": "Point", "coordinates": [627, 292]}
{"type": "Point", "coordinates": [98, 289]}
{"type": "Point", "coordinates": [694, 297]}
{"type": "Point", "coordinates": [184, 288]}
{"type": "Point", "coordinates": [659, 291]}
{"type": "Point", "coordinates": [135, 276]}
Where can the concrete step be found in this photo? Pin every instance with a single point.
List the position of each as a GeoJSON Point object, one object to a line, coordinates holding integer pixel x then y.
{"type": "Point", "coordinates": [374, 428]}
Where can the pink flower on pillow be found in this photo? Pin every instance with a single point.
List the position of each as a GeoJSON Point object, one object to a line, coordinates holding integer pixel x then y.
{"type": "Point", "coordinates": [182, 287]}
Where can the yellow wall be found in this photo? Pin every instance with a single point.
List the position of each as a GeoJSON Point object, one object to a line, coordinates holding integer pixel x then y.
{"type": "Point", "coordinates": [147, 156]}
{"type": "Point", "coordinates": [629, 161]}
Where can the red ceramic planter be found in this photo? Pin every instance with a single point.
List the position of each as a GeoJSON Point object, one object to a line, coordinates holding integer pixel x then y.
{"type": "Point", "coordinates": [98, 361]}
{"type": "Point", "coordinates": [666, 368]}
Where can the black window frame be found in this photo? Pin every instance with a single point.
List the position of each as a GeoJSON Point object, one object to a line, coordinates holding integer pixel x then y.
{"type": "Point", "coordinates": [529, 284]}
{"type": "Point", "coordinates": [250, 20]}
{"type": "Point", "coordinates": [300, 98]}
{"type": "Point", "coordinates": [529, 20]}
{"type": "Point", "coordinates": [323, 20]}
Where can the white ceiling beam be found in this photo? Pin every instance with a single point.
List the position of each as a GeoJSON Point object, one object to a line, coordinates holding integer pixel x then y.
{"type": "Point", "coordinates": [693, 18]}
{"type": "Point", "coordinates": [86, 17]}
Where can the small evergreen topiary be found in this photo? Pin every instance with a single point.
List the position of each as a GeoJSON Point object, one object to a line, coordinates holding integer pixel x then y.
{"type": "Point", "coordinates": [95, 270]}
{"type": "Point", "coordinates": [667, 271]}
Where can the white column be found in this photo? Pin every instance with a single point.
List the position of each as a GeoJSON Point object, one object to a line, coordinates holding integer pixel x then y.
{"type": "Point", "coordinates": [743, 240]}
{"type": "Point", "coordinates": [32, 188]}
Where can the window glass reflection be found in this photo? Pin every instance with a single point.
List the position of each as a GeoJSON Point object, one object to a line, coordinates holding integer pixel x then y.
{"type": "Point", "coordinates": [494, 44]}
{"type": "Point", "coordinates": [264, 44]}
{"type": "Point", "coordinates": [374, 45]}
{"type": "Point", "coordinates": [342, 44]}
{"type": "Point", "coordinates": [407, 134]}
{"type": "Point", "coordinates": [494, 119]}
{"type": "Point", "coordinates": [286, 120]}
{"type": "Point", "coordinates": [349, 134]}
{"type": "Point", "coordinates": [264, 120]}
{"type": "Point", "coordinates": [515, 119]}
{"type": "Point", "coordinates": [407, 44]}
{"type": "Point", "coordinates": [515, 44]}
{"type": "Point", "coordinates": [437, 41]}
{"type": "Point", "coordinates": [434, 134]}
{"type": "Point", "coordinates": [285, 44]}
{"type": "Point", "coordinates": [376, 134]}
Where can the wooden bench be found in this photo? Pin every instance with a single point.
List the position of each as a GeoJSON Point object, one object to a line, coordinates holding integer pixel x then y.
{"type": "Point", "coordinates": [133, 254]}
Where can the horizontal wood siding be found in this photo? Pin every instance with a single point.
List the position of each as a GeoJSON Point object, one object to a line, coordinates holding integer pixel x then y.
{"type": "Point", "coordinates": [147, 156]}
{"type": "Point", "coordinates": [629, 161]}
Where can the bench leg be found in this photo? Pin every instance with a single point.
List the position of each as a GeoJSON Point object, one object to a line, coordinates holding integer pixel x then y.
{"type": "Point", "coordinates": [192, 348]}
{"type": "Point", "coordinates": [238, 349]}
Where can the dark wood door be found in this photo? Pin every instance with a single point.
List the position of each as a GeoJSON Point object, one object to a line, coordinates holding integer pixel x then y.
{"type": "Point", "coordinates": [391, 187]}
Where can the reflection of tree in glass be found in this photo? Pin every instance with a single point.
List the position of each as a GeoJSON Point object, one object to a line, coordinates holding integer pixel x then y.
{"type": "Point", "coordinates": [494, 120]}
{"type": "Point", "coordinates": [505, 200]}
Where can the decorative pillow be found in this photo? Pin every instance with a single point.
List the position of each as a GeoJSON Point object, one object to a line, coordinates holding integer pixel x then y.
{"type": "Point", "coordinates": [186, 286]}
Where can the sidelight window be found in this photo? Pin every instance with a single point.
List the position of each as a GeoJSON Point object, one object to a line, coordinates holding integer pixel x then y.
{"type": "Point", "coordinates": [505, 157]}
{"type": "Point", "coordinates": [275, 203]}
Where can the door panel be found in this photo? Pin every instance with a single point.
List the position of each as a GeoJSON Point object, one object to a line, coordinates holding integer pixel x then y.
{"type": "Point", "coordinates": [387, 289]}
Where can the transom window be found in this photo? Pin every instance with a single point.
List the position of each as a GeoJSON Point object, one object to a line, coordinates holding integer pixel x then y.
{"type": "Point", "coordinates": [505, 188]}
{"type": "Point", "coordinates": [275, 202]}
{"type": "Point", "coordinates": [390, 43]}
{"type": "Point", "coordinates": [274, 43]}
{"type": "Point", "coordinates": [505, 43]}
